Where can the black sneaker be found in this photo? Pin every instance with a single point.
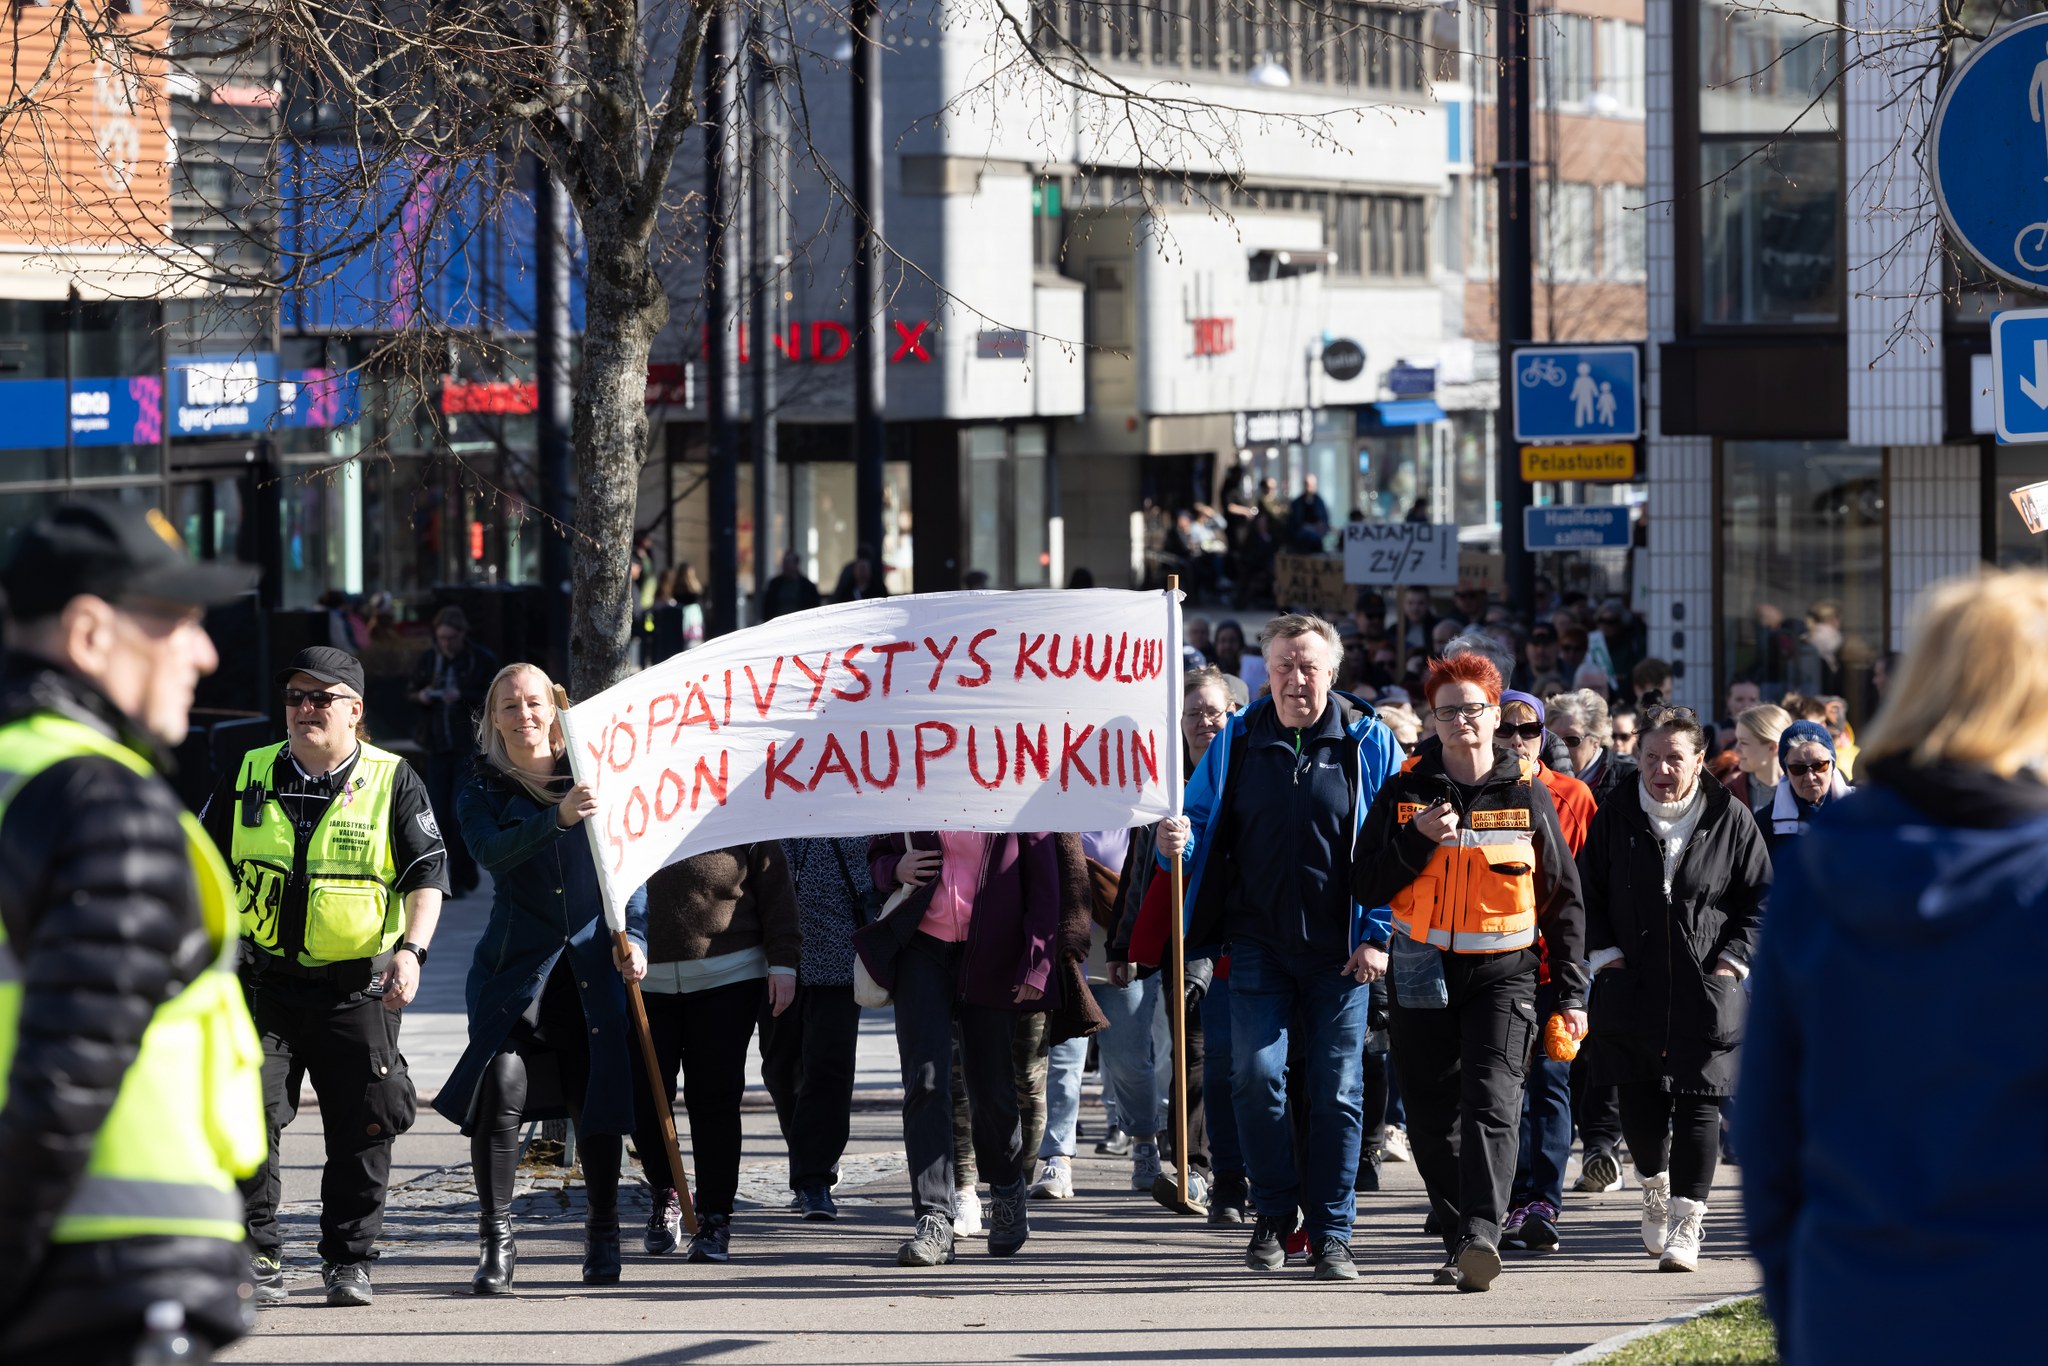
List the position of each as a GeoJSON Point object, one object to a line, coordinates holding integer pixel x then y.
{"type": "Point", "coordinates": [1478, 1264]}
{"type": "Point", "coordinates": [348, 1284]}
{"type": "Point", "coordinates": [931, 1244]}
{"type": "Point", "coordinates": [1333, 1260]}
{"type": "Point", "coordinates": [815, 1204]}
{"type": "Point", "coordinates": [664, 1223]}
{"type": "Point", "coordinates": [267, 1274]}
{"type": "Point", "coordinates": [1009, 1222]}
{"type": "Point", "coordinates": [1368, 1171]}
{"type": "Point", "coordinates": [1539, 1227]}
{"type": "Point", "coordinates": [1115, 1143]}
{"type": "Point", "coordinates": [1228, 1199]}
{"type": "Point", "coordinates": [1267, 1250]}
{"type": "Point", "coordinates": [713, 1239]}
{"type": "Point", "coordinates": [1599, 1173]}
{"type": "Point", "coordinates": [1447, 1274]}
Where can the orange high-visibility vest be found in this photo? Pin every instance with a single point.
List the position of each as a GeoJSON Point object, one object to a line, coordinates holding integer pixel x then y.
{"type": "Point", "coordinates": [1478, 895]}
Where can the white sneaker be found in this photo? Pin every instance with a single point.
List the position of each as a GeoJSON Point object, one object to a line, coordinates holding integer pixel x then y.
{"type": "Point", "coordinates": [1144, 1165]}
{"type": "Point", "coordinates": [1397, 1144]}
{"type": "Point", "coordinates": [1688, 1228]}
{"type": "Point", "coordinates": [1055, 1180]}
{"type": "Point", "coordinates": [966, 1212]}
{"type": "Point", "coordinates": [1656, 1211]}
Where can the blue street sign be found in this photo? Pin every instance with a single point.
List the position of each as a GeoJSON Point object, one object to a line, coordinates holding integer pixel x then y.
{"type": "Point", "coordinates": [1577, 393]}
{"type": "Point", "coordinates": [2019, 368]}
{"type": "Point", "coordinates": [1574, 528]}
{"type": "Point", "coordinates": [1991, 154]}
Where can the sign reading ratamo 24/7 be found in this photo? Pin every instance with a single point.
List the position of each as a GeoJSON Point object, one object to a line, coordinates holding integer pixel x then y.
{"type": "Point", "coordinates": [1047, 710]}
{"type": "Point", "coordinates": [1401, 553]}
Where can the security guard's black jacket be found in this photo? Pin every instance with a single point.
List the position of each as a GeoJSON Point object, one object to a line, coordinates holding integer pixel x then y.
{"type": "Point", "coordinates": [100, 904]}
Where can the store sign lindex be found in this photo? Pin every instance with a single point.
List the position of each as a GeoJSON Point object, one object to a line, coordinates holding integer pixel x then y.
{"type": "Point", "coordinates": [826, 342]}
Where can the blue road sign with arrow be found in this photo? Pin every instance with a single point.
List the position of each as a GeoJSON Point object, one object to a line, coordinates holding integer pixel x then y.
{"type": "Point", "coordinates": [1990, 158]}
{"type": "Point", "coordinates": [2019, 366]}
{"type": "Point", "coordinates": [1577, 393]}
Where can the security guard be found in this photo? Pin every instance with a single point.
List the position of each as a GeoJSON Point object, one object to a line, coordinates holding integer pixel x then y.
{"type": "Point", "coordinates": [130, 1098]}
{"type": "Point", "coordinates": [339, 869]}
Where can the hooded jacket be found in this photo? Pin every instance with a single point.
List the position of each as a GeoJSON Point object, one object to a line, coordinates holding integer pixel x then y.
{"type": "Point", "coordinates": [1931, 877]}
{"type": "Point", "coordinates": [1210, 863]}
{"type": "Point", "coordinates": [1665, 1014]}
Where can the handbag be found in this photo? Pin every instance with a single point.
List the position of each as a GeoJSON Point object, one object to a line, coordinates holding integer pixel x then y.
{"type": "Point", "coordinates": [866, 990]}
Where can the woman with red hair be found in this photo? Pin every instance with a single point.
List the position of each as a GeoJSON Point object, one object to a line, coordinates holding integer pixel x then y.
{"type": "Point", "coordinates": [1464, 845]}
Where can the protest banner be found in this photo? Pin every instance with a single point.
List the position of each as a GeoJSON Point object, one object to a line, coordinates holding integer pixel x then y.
{"type": "Point", "coordinates": [1053, 710]}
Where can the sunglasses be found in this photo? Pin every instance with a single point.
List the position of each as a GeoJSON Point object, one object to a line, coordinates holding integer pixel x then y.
{"type": "Point", "coordinates": [1528, 730]}
{"type": "Point", "coordinates": [1572, 741]}
{"type": "Point", "coordinates": [1808, 770]}
{"type": "Point", "coordinates": [1659, 715]}
{"type": "Point", "coordinates": [319, 701]}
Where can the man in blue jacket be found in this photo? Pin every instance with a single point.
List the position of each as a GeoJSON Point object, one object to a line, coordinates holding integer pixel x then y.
{"type": "Point", "coordinates": [1272, 813]}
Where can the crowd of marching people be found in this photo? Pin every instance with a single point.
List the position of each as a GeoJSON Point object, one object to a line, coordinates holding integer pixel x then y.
{"type": "Point", "coordinates": [1467, 920]}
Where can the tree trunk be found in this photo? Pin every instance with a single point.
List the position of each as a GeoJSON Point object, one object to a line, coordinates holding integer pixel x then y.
{"type": "Point", "coordinates": [625, 309]}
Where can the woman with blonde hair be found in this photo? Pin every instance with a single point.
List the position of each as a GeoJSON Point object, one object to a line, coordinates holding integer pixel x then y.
{"type": "Point", "coordinates": [1756, 754]}
{"type": "Point", "coordinates": [548, 1033]}
{"type": "Point", "coordinates": [1935, 871]}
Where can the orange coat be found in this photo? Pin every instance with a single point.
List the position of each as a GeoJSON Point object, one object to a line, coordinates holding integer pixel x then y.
{"type": "Point", "coordinates": [1575, 806]}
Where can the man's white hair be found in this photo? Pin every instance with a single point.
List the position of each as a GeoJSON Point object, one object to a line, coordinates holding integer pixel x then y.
{"type": "Point", "coordinates": [1295, 625]}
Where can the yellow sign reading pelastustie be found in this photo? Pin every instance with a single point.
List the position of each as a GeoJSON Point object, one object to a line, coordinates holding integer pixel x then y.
{"type": "Point", "coordinates": [1578, 462]}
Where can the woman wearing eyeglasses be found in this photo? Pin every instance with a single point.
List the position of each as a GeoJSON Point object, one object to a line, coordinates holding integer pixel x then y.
{"type": "Point", "coordinates": [1464, 845]}
{"type": "Point", "coordinates": [1807, 754]}
{"type": "Point", "coordinates": [1675, 874]}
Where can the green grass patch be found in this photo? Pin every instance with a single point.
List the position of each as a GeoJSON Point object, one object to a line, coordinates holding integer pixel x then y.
{"type": "Point", "coordinates": [1737, 1335]}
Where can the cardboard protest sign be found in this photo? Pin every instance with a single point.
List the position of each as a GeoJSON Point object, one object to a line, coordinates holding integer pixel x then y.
{"type": "Point", "coordinates": [1047, 710]}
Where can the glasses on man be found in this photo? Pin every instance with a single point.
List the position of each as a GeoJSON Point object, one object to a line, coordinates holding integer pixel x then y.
{"type": "Point", "coordinates": [319, 701]}
{"type": "Point", "coordinates": [1528, 730]}
{"type": "Point", "coordinates": [1467, 711]}
{"type": "Point", "coordinates": [1818, 767]}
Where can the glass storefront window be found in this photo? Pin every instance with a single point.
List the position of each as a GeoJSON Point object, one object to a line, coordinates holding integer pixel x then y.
{"type": "Point", "coordinates": [1031, 557]}
{"type": "Point", "coordinates": [1802, 568]}
{"type": "Point", "coordinates": [2014, 547]}
{"type": "Point", "coordinates": [1770, 162]}
{"type": "Point", "coordinates": [986, 447]}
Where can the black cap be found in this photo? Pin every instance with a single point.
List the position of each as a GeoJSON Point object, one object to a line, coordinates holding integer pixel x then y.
{"type": "Point", "coordinates": [327, 664]}
{"type": "Point", "coordinates": [113, 552]}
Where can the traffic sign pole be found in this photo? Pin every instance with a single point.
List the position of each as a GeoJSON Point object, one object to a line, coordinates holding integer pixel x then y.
{"type": "Point", "coordinates": [1517, 303]}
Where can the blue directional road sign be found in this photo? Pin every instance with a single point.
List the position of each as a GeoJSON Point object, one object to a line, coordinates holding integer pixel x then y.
{"type": "Point", "coordinates": [1574, 528]}
{"type": "Point", "coordinates": [1577, 393]}
{"type": "Point", "coordinates": [2019, 367]}
{"type": "Point", "coordinates": [1991, 154]}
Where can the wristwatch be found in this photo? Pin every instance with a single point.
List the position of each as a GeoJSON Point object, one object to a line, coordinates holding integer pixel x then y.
{"type": "Point", "coordinates": [417, 952]}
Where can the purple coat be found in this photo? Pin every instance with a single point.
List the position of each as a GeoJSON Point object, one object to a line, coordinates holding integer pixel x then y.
{"type": "Point", "coordinates": [1013, 935]}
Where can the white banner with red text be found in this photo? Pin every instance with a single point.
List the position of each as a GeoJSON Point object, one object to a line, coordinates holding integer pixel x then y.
{"type": "Point", "coordinates": [1053, 710]}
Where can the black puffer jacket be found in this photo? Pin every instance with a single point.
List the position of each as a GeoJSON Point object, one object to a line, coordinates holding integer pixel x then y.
{"type": "Point", "coordinates": [1664, 1014]}
{"type": "Point", "coordinates": [100, 904]}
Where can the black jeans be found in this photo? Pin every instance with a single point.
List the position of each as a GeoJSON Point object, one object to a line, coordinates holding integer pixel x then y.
{"type": "Point", "coordinates": [927, 1008]}
{"type": "Point", "coordinates": [446, 773]}
{"type": "Point", "coordinates": [1596, 1110]}
{"type": "Point", "coordinates": [348, 1042]}
{"type": "Point", "coordinates": [807, 1062]}
{"type": "Point", "coordinates": [1684, 1131]}
{"type": "Point", "coordinates": [704, 1036]}
{"type": "Point", "coordinates": [1461, 1072]}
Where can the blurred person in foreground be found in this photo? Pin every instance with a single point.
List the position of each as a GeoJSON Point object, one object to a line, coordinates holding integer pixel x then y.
{"type": "Point", "coordinates": [1935, 871]}
{"type": "Point", "coordinates": [132, 1075]}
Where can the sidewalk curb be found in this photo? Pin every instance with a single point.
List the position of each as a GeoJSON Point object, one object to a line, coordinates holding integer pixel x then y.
{"type": "Point", "coordinates": [1620, 1340]}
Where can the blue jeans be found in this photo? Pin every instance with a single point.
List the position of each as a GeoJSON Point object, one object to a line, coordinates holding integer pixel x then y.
{"type": "Point", "coordinates": [1226, 1150]}
{"type": "Point", "coordinates": [1268, 992]}
{"type": "Point", "coordinates": [1546, 1122]}
{"type": "Point", "coordinates": [1063, 1097]}
{"type": "Point", "coordinates": [1137, 1054]}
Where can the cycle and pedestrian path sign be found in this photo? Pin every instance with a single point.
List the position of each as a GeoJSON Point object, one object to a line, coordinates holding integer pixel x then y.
{"type": "Point", "coordinates": [1990, 157]}
{"type": "Point", "coordinates": [1574, 394]}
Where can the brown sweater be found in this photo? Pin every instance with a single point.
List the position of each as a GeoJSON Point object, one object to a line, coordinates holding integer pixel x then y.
{"type": "Point", "coordinates": [724, 902]}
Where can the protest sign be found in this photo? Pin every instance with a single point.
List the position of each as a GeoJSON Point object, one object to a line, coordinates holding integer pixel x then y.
{"type": "Point", "coordinates": [1400, 553]}
{"type": "Point", "coordinates": [1045, 710]}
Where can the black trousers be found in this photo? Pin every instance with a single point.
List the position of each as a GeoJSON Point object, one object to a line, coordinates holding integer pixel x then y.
{"type": "Point", "coordinates": [703, 1036]}
{"type": "Point", "coordinates": [1596, 1110]}
{"type": "Point", "coordinates": [446, 773]}
{"type": "Point", "coordinates": [1461, 1071]}
{"type": "Point", "coordinates": [1681, 1131]}
{"type": "Point", "coordinates": [807, 1062]}
{"type": "Point", "coordinates": [927, 1008]}
{"type": "Point", "coordinates": [348, 1043]}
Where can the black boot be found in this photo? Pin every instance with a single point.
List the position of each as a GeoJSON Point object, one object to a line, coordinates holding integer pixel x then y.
{"type": "Point", "coordinates": [494, 1161]}
{"type": "Point", "coordinates": [601, 1157]}
{"type": "Point", "coordinates": [495, 1156]}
